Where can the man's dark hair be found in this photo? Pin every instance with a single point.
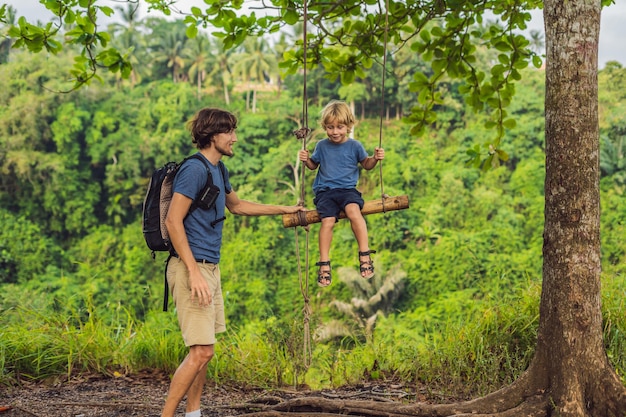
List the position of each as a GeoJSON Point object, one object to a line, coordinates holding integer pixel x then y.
{"type": "Point", "coordinates": [207, 123]}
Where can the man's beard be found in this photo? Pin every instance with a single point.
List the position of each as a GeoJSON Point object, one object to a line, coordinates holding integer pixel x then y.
{"type": "Point", "coordinates": [223, 151]}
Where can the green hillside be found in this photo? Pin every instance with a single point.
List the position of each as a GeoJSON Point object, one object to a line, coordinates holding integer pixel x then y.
{"type": "Point", "coordinates": [455, 299]}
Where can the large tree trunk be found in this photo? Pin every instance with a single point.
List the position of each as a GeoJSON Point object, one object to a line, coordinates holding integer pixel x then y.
{"type": "Point", "coordinates": [570, 356]}
{"type": "Point", "coordinates": [570, 374]}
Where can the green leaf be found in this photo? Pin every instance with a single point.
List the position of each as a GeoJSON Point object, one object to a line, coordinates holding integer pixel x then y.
{"type": "Point", "coordinates": [515, 75]}
{"type": "Point", "coordinates": [192, 31]}
{"type": "Point", "coordinates": [14, 32]}
{"type": "Point", "coordinates": [70, 17]}
{"type": "Point", "coordinates": [418, 130]}
{"type": "Point", "coordinates": [291, 17]}
{"type": "Point", "coordinates": [487, 164]}
{"type": "Point", "coordinates": [503, 46]}
{"type": "Point", "coordinates": [424, 96]}
{"type": "Point", "coordinates": [53, 46]}
{"type": "Point", "coordinates": [439, 65]}
{"type": "Point", "coordinates": [430, 117]}
{"type": "Point", "coordinates": [509, 123]}
{"type": "Point", "coordinates": [347, 77]}
{"type": "Point", "coordinates": [106, 10]}
{"type": "Point", "coordinates": [520, 63]}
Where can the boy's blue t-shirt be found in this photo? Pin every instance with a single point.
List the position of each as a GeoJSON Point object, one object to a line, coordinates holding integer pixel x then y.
{"type": "Point", "coordinates": [338, 164]}
{"type": "Point", "coordinates": [205, 240]}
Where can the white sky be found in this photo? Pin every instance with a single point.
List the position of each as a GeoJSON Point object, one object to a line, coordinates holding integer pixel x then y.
{"type": "Point", "coordinates": [612, 28]}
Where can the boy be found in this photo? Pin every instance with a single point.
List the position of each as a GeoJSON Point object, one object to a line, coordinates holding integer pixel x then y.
{"type": "Point", "coordinates": [334, 187]}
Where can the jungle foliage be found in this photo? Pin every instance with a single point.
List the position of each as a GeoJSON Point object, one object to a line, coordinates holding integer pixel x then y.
{"type": "Point", "coordinates": [458, 274]}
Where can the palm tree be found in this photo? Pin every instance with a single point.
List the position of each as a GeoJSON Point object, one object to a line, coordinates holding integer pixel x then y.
{"type": "Point", "coordinates": [198, 52]}
{"type": "Point", "coordinates": [371, 298]}
{"type": "Point", "coordinates": [169, 40]}
{"type": "Point", "coordinates": [127, 36]}
{"type": "Point", "coordinates": [286, 41]}
{"type": "Point", "coordinates": [257, 64]}
{"type": "Point", "coordinates": [537, 42]}
{"type": "Point", "coordinates": [613, 158]}
{"type": "Point", "coordinates": [5, 41]}
{"type": "Point", "coordinates": [221, 67]}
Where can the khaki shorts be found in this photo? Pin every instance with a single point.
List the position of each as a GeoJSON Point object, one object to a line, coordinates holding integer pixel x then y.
{"type": "Point", "coordinates": [199, 325]}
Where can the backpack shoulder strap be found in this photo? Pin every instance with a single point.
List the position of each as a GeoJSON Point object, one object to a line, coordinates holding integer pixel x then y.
{"type": "Point", "coordinates": [223, 171]}
{"type": "Point", "coordinates": [200, 158]}
{"type": "Point", "coordinates": [209, 182]}
{"type": "Point", "coordinates": [220, 164]}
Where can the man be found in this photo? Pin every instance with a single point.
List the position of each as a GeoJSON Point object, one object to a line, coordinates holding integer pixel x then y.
{"type": "Point", "coordinates": [193, 274]}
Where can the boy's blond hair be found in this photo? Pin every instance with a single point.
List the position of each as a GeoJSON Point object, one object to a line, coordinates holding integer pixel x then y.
{"type": "Point", "coordinates": [337, 111]}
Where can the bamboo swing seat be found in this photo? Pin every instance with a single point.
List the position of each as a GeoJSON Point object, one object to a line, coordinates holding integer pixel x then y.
{"type": "Point", "coordinates": [381, 205]}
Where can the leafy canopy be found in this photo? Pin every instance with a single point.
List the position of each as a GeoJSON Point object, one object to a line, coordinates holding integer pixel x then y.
{"type": "Point", "coordinates": [346, 38]}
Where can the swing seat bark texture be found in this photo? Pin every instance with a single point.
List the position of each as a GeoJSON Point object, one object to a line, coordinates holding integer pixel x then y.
{"type": "Point", "coordinates": [382, 205]}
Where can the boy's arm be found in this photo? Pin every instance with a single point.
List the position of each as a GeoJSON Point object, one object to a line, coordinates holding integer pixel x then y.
{"type": "Point", "coordinates": [303, 155]}
{"type": "Point", "coordinates": [371, 161]}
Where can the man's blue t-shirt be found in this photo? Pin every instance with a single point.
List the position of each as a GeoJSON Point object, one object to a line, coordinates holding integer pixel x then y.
{"type": "Point", "coordinates": [338, 164]}
{"type": "Point", "coordinates": [203, 232]}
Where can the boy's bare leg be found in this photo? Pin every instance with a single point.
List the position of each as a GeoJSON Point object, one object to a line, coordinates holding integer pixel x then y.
{"type": "Point", "coordinates": [359, 228]}
{"type": "Point", "coordinates": [325, 239]}
{"type": "Point", "coordinates": [195, 362]}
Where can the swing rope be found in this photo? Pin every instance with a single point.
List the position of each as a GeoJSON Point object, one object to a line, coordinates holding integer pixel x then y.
{"type": "Point", "coordinates": [304, 290]}
{"type": "Point", "coordinates": [382, 104]}
{"type": "Point", "coordinates": [303, 134]}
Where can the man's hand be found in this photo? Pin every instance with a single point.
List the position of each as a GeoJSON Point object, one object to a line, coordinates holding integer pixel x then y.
{"type": "Point", "coordinates": [199, 289]}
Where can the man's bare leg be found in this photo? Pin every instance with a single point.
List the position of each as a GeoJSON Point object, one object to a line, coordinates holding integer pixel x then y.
{"type": "Point", "coordinates": [194, 393]}
{"type": "Point", "coordinates": [186, 376]}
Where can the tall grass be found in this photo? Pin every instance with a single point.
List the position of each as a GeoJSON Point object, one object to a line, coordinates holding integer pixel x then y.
{"type": "Point", "coordinates": [614, 318]}
{"type": "Point", "coordinates": [474, 354]}
{"type": "Point", "coordinates": [38, 345]}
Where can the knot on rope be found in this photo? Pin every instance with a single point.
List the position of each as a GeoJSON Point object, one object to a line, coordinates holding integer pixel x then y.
{"type": "Point", "coordinates": [383, 198]}
{"type": "Point", "coordinates": [302, 221]}
{"type": "Point", "coordinates": [302, 133]}
{"type": "Point", "coordinates": [301, 215]}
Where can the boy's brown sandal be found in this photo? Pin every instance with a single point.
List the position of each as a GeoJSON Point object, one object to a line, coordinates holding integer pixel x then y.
{"type": "Point", "coordinates": [324, 278]}
{"type": "Point", "coordinates": [366, 267]}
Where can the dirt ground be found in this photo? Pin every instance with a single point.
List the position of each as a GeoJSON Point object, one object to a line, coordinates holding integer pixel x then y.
{"type": "Point", "coordinates": [143, 395]}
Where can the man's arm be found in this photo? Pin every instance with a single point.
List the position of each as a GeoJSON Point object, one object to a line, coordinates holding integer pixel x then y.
{"type": "Point", "coordinates": [179, 207]}
{"type": "Point", "coordinates": [248, 208]}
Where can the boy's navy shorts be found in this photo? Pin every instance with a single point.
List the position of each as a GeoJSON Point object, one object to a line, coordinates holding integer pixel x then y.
{"type": "Point", "coordinates": [330, 203]}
